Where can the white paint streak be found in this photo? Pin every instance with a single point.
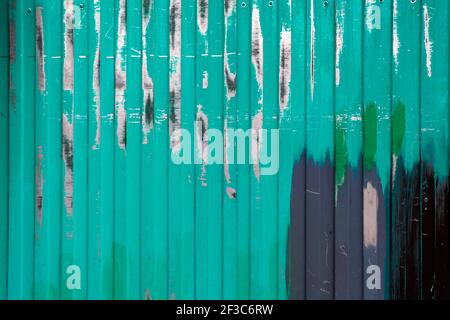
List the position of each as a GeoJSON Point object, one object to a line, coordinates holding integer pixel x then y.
{"type": "Point", "coordinates": [340, 18]}
{"type": "Point", "coordinates": [202, 142]}
{"type": "Point", "coordinates": [121, 76]}
{"type": "Point", "coordinates": [427, 40]}
{"type": "Point", "coordinates": [257, 49]}
{"type": "Point", "coordinates": [395, 37]}
{"type": "Point", "coordinates": [96, 74]}
{"type": "Point", "coordinates": [312, 49]}
{"type": "Point", "coordinates": [202, 16]}
{"type": "Point", "coordinates": [67, 126]}
{"type": "Point", "coordinates": [147, 81]}
{"type": "Point", "coordinates": [285, 68]}
{"type": "Point", "coordinates": [175, 75]}
{"type": "Point", "coordinates": [68, 46]}
{"type": "Point", "coordinates": [205, 80]}
{"type": "Point", "coordinates": [370, 216]}
{"type": "Point", "coordinates": [229, 77]}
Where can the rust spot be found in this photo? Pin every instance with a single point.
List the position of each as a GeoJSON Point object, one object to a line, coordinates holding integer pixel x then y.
{"type": "Point", "coordinates": [40, 50]}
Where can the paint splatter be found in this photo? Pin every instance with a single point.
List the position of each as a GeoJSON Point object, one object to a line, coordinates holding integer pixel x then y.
{"type": "Point", "coordinates": [340, 18]}
{"type": "Point", "coordinates": [121, 76]}
{"type": "Point", "coordinates": [395, 37]}
{"type": "Point", "coordinates": [202, 141]}
{"type": "Point", "coordinates": [257, 49]}
{"type": "Point", "coordinates": [427, 40]}
{"type": "Point", "coordinates": [40, 50]}
{"type": "Point", "coordinates": [175, 75]}
{"type": "Point", "coordinates": [312, 50]}
{"type": "Point", "coordinates": [370, 216]}
{"type": "Point", "coordinates": [285, 68]}
{"type": "Point", "coordinates": [68, 46]}
{"type": "Point", "coordinates": [230, 77]}
{"type": "Point", "coordinates": [147, 81]}
{"type": "Point", "coordinates": [257, 125]}
{"type": "Point", "coordinates": [202, 16]}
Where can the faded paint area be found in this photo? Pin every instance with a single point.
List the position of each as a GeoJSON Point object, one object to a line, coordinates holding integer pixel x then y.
{"type": "Point", "coordinates": [147, 81]}
{"type": "Point", "coordinates": [121, 75]}
{"type": "Point", "coordinates": [175, 75]}
{"type": "Point", "coordinates": [202, 142]}
{"type": "Point", "coordinates": [67, 153]}
{"type": "Point", "coordinates": [68, 46]}
{"type": "Point", "coordinates": [205, 81]}
{"type": "Point", "coordinates": [39, 182]}
{"type": "Point", "coordinates": [96, 74]}
{"type": "Point", "coordinates": [257, 49]}
{"type": "Point", "coordinates": [371, 205]}
{"type": "Point", "coordinates": [395, 35]}
{"type": "Point", "coordinates": [340, 15]}
{"type": "Point", "coordinates": [257, 125]}
{"type": "Point", "coordinates": [202, 16]}
{"type": "Point", "coordinates": [40, 50]}
{"type": "Point", "coordinates": [285, 68]}
{"type": "Point", "coordinates": [427, 40]}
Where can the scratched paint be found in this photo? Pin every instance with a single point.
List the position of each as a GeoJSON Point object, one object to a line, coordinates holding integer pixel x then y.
{"type": "Point", "coordinates": [85, 161]}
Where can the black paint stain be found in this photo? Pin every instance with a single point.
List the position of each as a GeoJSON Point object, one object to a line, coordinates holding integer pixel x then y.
{"type": "Point", "coordinates": [149, 109]}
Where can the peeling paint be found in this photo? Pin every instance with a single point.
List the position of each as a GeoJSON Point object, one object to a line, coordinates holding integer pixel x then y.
{"type": "Point", "coordinates": [231, 192]}
{"type": "Point", "coordinates": [202, 141]}
{"type": "Point", "coordinates": [427, 40]}
{"type": "Point", "coordinates": [121, 76]}
{"type": "Point", "coordinates": [175, 74]}
{"type": "Point", "coordinates": [147, 81]}
{"type": "Point", "coordinates": [96, 73]}
{"type": "Point", "coordinates": [340, 18]}
{"type": "Point", "coordinates": [202, 16]}
{"type": "Point", "coordinates": [257, 49]}
{"type": "Point", "coordinates": [40, 50]}
{"type": "Point", "coordinates": [257, 125]}
{"type": "Point", "coordinates": [230, 77]}
{"type": "Point", "coordinates": [370, 216]}
{"type": "Point", "coordinates": [205, 80]}
{"type": "Point", "coordinates": [285, 68]}
{"type": "Point", "coordinates": [68, 46]}
{"type": "Point", "coordinates": [67, 149]}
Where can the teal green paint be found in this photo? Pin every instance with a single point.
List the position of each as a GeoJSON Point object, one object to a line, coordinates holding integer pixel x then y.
{"type": "Point", "coordinates": [435, 110]}
{"type": "Point", "coordinates": [47, 269]}
{"type": "Point", "coordinates": [406, 82]}
{"type": "Point", "coordinates": [398, 127]}
{"type": "Point", "coordinates": [4, 148]}
{"type": "Point", "coordinates": [244, 172]}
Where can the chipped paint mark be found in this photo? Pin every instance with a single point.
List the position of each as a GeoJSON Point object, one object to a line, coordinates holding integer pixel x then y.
{"type": "Point", "coordinates": [395, 37]}
{"type": "Point", "coordinates": [257, 125]}
{"type": "Point", "coordinates": [121, 76]}
{"type": "Point", "coordinates": [68, 46]}
{"type": "Point", "coordinates": [202, 16]}
{"type": "Point", "coordinates": [340, 18]}
{"type": "Point", "coordinates": [147, 81]}
{"type": "Point", "coordinates": [370, 216]}
{"type": "Point", "coordinates": [205, 80]}
{"type": "Point", "coordinates": [67, 149]}
{"type": "Point", "coordinates": [226, 166]}
{"type": "Point", "coordinates": [312, 50]}
{"type": "Point", "coordinates": [148, 296]}
{"type": "Point", "coordinates": [39, 178]}
{"type": "Point", "coordinates": [257, 49]}
{"type": "Point", "coordinates": [175, 75]}
{"type": "Point", "coordinates": [285, 68]}
{"type": "Point", "coordinates": [202, 141]}
{"type": "Point", "coordinates": [230, 78]}
{"type": "Point", "coordinates": [427, 40]}
{"type": "Point", "coordinates": [232, 194]}
{"type": "Point", "coordinates": [96, 74]}
{"type": "Point", "coordinates": [40, 50]}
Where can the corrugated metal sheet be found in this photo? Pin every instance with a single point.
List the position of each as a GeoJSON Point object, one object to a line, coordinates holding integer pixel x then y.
{"type": "Point", "coordinates": [93, 95]}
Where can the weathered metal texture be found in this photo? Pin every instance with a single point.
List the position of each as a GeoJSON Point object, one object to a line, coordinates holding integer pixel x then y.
{"type": "Point", "coordinates": [93, 95]}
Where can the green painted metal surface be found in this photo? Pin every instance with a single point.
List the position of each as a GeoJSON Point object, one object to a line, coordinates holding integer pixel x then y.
{"type": "Point", "coordinates": [99, 98]}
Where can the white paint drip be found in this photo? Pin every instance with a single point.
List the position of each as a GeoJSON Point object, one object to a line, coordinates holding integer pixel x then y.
{"type": "Point", "coordinates": [371, 205]}
{"type": "Point", "coordinates": [285, 68]}
{"type": "Point", "coordinates": [96, 74]}
{"type": "Point", "coordinates": [147, 81]}
{"type": "Point", "coordinates": [229, 77]}
{"type": "Point", "coordinates": [67, 126]}
{"type": "Point", "coordinates": [202, 142]}
{"type": "Point", "coordinates": [257, 125]}
{"type": "Point", "coordinates": [427, 40]}
{"type": "Point", "coordinates": [205, 80]}
{"type": "Point", "coordinates": [68, 46]}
